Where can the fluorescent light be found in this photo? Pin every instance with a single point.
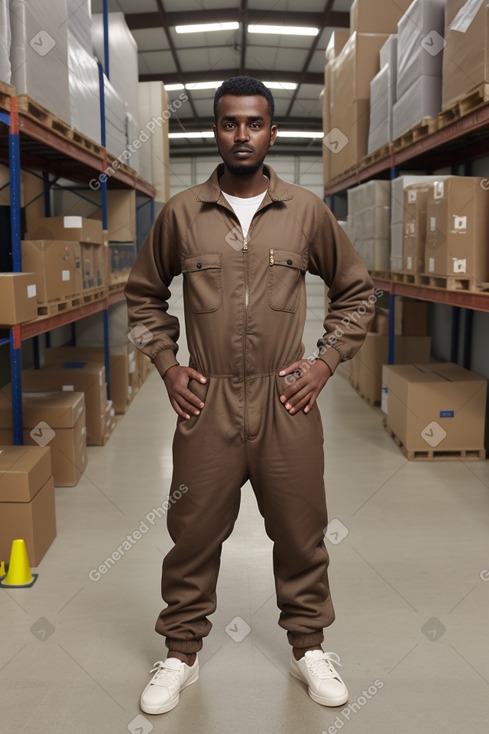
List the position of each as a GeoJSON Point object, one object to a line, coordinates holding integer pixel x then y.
{"type": "Point", "coordinates": [202, 85]}
{"type": "Point", "coordinates": [206, 27]}
{"type": "Point", "coordinates": [203, 134]}
{"type": "Point", "coordinates": [174, 87]}
{"type": "Point", "coordinates": [284, 30]}
{"type": "Point", "coordinates": [300, 134]}
{"type": "Point", "coordinates": [281, 85]}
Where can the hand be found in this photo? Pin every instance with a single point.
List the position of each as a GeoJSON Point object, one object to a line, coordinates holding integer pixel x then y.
{"type": "Point", "coordinates": [310, 378]}
{"type": "Point", "coordinates": [183, 400]}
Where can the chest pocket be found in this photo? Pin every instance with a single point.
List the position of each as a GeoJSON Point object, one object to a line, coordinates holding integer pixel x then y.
{"type": "Point", "coordinates": [203, 281]}
{"type": "Point", "coordinates": [285, 276]}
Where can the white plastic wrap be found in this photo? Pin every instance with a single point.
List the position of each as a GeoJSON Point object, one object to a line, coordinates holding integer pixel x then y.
{"type": "Point", "coordinates": [5, 71]}
{"type": "Point", "coordinates": [115, 120]}
{"type": "Point", "coordinates": [84, 90]}
{"type": "Point", "coordinates": [381, 103]}
{"type": "Point", "coordinates": [374, 253]}
{"type": "Point", "coordinates": [420, 43]}
{"type": "Point", "coordinates": [421, 100]}
{"type": "Point", "coordinates": [371, 193]}
{"type": "Point", "coordinates": [466, 15]}
{"type": "Point", "coordinates": [123, 57]}
{"type": "Point", "coordinates": [80, 23]}
{"type": "Point", "coordinates": [39, 53]}
{"type": "Point", "coordinates": [132, 133]}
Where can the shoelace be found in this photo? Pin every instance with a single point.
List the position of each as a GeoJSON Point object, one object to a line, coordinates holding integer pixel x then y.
{"type": "Point", "coordinates": [322, 667]}
{"type": "Point", "coordinates": [163, 676]}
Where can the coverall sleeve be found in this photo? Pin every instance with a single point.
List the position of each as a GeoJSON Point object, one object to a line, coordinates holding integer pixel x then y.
{"type": "Point", "coordinates": [154, 331]}
{"type": "Point", "coordinates": [351, 292]}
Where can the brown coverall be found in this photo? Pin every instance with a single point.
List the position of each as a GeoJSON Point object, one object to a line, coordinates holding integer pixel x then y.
{"type": "Point", "coordinates": [245, 308]}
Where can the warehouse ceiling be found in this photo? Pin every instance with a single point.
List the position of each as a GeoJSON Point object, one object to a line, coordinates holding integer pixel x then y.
{"type": "Point", "coordinates": [195, 58]}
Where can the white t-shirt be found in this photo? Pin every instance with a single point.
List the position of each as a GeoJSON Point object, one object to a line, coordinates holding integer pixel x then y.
{"type": "Point", "coordinates": [244, 208]}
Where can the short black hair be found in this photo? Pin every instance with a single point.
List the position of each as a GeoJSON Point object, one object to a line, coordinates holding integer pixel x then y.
{"type": "Point", "coordinates": [244, 86]}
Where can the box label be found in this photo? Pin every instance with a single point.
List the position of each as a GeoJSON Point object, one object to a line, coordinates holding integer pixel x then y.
{"type": "Point", "coordinates": [432, 224]}
{"type": "Point", "coordinates": [459, 223]}
{"type": "Point", "coordinates": [439, 189]}
{"type": "Point", "coordinates": [385, 399]}
{"type": "Point", "coordinates": [447, 414]}
{"type": "Point", "coordinates": [72, 222]}
{"type": "Point", "coordinates": [65, 275]}
{"type": "Point", "coordinates": [68, 388]}
{"type": "Point", "coordinates": [409, 264]}
{"type": "Point", "coordinates": [431, 265]}
{"type": "Point", "coordinates": [459, 266]}
{"type": "Point", "coordinates": [31, 291]}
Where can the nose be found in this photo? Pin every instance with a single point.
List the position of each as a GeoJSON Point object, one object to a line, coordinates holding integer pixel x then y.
{"type": "Point", "coordinates": [241, 133]}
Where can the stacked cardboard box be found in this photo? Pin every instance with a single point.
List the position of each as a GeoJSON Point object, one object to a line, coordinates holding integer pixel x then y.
{"type": "Point", "coordinates": [466, 54]}
{"type": "Point", "coordinates": [54, 419]}
{"type": "Point", "coordinates": [87, 233]}
{"type": "Point", "coordinates": [18, 298]}
{"type": "Point", "coordinates": [419, 64]}
{"type": "Point", "coordinates": [415, 207]}
{"type": "Point", "coordinates": [27, 508]}
{"type": "Point", "coordinates": [335, 46]}
{"type": "Point", "coordinates": [376, 16]}
{"type": "Point", "coordinates": [57, 265]}
{"type": "Point", "coordinates": [153, 116]}
{"type": "Point", "coordinates": [435, 407]}
{"type": "Point", "coordinates": [84, 90]}
{"type": "Point", "coordinates": [458, 228]}
{"type": "Point", "coordinates": [119, 364]}
{"type": "Point", "coordinates": [76, 376]}
{"type": "Point", "coordinates": [369, 222]}
{"type": "Point", "coordinates": [410, 345]}
{"type": "Point", "coordinates": [383, 96]}
{"type": "Point", "coordinates": [398, 185]}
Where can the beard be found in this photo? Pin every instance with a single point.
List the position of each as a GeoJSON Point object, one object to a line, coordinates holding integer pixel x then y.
{"type": "Point", "coordinates": [244, 170]}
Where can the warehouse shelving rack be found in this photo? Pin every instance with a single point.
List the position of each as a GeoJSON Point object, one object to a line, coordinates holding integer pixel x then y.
{"type": "Point", "coordinates": [459, 142]}
{"type": "Point", "coordinates": [28, 142]}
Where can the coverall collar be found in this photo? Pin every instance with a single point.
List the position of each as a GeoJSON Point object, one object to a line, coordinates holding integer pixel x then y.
{"type": "Point", "coordinates": [278, 190]}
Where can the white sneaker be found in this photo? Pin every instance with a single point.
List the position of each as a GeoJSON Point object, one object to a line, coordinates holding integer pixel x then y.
{"type": "Point", "coordinates": [163, 691]}
{"type": "Point", "coordinates": [324, 684]}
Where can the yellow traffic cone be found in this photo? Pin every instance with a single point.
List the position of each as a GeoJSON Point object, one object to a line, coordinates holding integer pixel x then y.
{"type": "Point", "coordinates": [19, 572]}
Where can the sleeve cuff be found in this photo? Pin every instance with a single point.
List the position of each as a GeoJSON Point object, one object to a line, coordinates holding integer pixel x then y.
{"type": "Point", "coordinates": [332, 358]}
{"type": "Point", "coordinates": [164, 360]}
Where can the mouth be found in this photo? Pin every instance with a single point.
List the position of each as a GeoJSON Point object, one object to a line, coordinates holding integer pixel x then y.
{"type": "Point", "coordinates": [242, 152]}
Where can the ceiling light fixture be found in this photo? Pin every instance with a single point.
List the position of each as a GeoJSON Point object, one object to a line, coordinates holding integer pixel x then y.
{"type": "Point", "coordinates": [174, 87]}
{"type": "Point", "coordinates": [207, 27]}
{"type": "Point", "coordinates": [281, 85]}
{"type": "Point", "coordinates": [202, 85]}
{"type": "Point", "coordinates": [203, 134]}
{"type": "Point", "coordinates": [283, 30]}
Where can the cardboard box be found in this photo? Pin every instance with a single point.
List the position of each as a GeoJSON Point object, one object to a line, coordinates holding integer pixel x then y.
{"type": "Point", "coordinates": [23, 471]}
{"type": "Point", "coordinates": [352, 121]}
{"type": "Point", "coordinates": [99, 265]}
{"type": "Point", "coordinates": [420, 44]}
{"type": "Point", "coordinates": [57, 265]}
{"type": "Point", "coordinates": [410, 318]}
{"type": "Point", "coordinates": [327, 123]}
{"type": "Point", "coordinates": [369, 194]}
{"type": "Point", "coordinates": [458, 229]}
{"type": "Point", "coordinates": [375, 253]}
{"type": "Point", "coordinates": [377, 16]}
{"type": "Point", "coordinates": [119, 364]}
{"type": "Point", "coordinates": [75, 376]}
{"type": "Point", "coordinates": [34, 522]}
{"type": "Point", "coordinates": [415, 206]}
{"type": "Point", "coordinates": [54, 419]}
{"type": "Point", "coordinates": [422, 100]}
{"type": "Point", "coordinates": [438, 406]}
{"type": "Point", "coordinates": [18, 298]}
{"type": "Point", "coordinates": [466, 54]}
{"type": "Point", "coordinates": [375, 352]}
{"type": "Point", "coordinates": [74, 228]}
{"type": "Point", "coordinates": [336, 43]}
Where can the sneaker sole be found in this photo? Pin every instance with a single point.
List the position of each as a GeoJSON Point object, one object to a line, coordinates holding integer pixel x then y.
{"type": "Point", "coordinates": [171, 704]}
{"type": "Point", "coordinates": [320, 699]}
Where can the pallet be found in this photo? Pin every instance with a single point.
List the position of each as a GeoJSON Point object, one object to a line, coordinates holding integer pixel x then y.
{"type": "Point", "coordinates": [6, 91]}
{"type": "Point", "coordinates": [51, 308]}
{"type": "Point", "coordinates": [478, 97]}
{"type": "Point", "coordinates": [403, 277]}
{"type": "Point", "coordinates": [450, 282]}
{"type": "Point", "coordinates": [35, 111]}
{"type": "Point", "coordinates": [121, 166]}
{"type": "Point", "coordinates": [422, 129]}
{"type": "Point", "coordinates": [380, 154]}
{"type": "Point", "coordinates": [381, 274]}
{"type": "Point", "coordinates": [369, 401]}
{"type": "Point", "coordinates": [435, 454]}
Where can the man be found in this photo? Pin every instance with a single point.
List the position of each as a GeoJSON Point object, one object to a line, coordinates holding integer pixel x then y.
{"type": "Point", "coordinates": [246, 404]}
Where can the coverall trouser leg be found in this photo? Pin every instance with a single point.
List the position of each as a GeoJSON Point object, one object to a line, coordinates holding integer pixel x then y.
{"type": "Point", "coordinates": [244, 432]}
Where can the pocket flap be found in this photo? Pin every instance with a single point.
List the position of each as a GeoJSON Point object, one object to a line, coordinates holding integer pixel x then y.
{"type": "Point", "coordinates": [204, 261]}
{"type": "Point", "coordinates": [287, 258]}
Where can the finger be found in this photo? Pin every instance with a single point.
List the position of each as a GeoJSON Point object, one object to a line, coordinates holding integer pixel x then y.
{"type": "Point", "coordinates": [291, 368]}
{"type": "Point", "coordinates": [194, 375]}
{"type": "Point", "coordinates": [184, 394]}
{"type": "Point", "coordinates": [178, 410]}
{"type": "Point", "coordinates": [299, 399]}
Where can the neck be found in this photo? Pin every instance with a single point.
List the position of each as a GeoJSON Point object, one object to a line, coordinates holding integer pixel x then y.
{"type": "Point", "coordinates": [244, 187]}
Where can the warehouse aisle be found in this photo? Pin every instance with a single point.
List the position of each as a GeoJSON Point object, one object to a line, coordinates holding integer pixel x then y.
{"type": "Point", "coordinates": [408, 545]}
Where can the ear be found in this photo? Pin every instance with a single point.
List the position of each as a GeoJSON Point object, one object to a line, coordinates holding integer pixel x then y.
{"type": "Point", "coordinates": [214, 130]}
{"type": "Point", "coordinates": [273, 134]}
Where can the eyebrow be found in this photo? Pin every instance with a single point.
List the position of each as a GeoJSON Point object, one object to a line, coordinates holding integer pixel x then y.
{"type": "Point", "coordinates": [233, 118]}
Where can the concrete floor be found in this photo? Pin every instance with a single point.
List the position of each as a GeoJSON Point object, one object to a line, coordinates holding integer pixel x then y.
{"type": "Point", "coordinates": [408, 574]}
